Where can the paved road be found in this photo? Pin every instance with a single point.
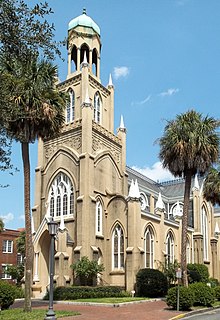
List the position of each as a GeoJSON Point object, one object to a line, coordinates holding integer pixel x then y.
{"type": "Point", "coordinates": [148, 310]}
{"type": "Point", "coordinates": [210, 315]}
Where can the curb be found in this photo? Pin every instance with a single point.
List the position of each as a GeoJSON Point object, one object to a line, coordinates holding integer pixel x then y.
{"type": "Point", "coordinates": [194, 312]}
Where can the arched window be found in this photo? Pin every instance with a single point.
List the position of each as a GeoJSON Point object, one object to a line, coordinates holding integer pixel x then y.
{"type": "Point", "coordinates": [204, 231]}
{"type": "Point", "coordinates": [97, 108]}
{"type": "Point", "coordinates": [170, 248]}
{"type": "Point", "coordinates": [70, 107]}
{"type": "Point", "coordinates": [118, 248]}
{"type": "Point", "coordinates": [61, 196]}
{"type": "Point", "coordinates": [98, 218]}
{"type": "Point", "coordinates": [149, 248]}
{"type": "Point", "coordinates": [188, 255]}
{"type": "Point", "coordinates": [144, 201]}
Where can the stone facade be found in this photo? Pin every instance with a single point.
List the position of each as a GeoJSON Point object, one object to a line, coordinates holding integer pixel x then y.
{"type": "Point", "coordinates": [105, 210]}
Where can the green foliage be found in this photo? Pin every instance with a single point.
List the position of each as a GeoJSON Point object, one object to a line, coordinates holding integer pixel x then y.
{"type": "Point", "coordinates": [169, 270]}
{"type": "Point", "coordinates": [20, 243]}
{"type": "Point", "coordinates": [213, 282]}
{"type": "Point", "coordinates": [16, 272]}
{"type": "Point", "coordinates": [211, 189]}
{"type": "Point", "coordinates": [86, 270]}
{"type": "Point", "coordinates": [198, 273]}
{"type": "Point", "coordinates": [24, 30]}
{"type": "Point", "coordinates": [204, 295]}
{"type": "Point", "coordinates": [77, 292]}
{"type": "Point", "coordinates": [151, 283]}
{"type": "Point", "coordinates": [36, 314]}
{"type": "Point", "coordinates": [217, 292]}
{"type": "Point", "coordinates": [7, 294]}
{"type": "Point", "coordinates": [186, 298]}
{"type": "Point", "coordinates": [190, 144]}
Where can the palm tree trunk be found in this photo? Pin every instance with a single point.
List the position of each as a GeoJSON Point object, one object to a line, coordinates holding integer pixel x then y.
{"type": "Point", "coordinates": [28, 240]}
{"type": "Point", "coordinates": [188, 178]}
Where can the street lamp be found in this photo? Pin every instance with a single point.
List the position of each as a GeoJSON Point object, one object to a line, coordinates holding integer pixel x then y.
{"type": "Point", "coordinates": [52, 228]}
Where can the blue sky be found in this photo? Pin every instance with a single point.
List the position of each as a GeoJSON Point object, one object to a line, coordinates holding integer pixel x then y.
{"type": "Point", "coordinates": [164, 59]}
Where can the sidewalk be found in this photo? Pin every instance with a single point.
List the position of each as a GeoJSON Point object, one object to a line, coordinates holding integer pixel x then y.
{"type": "Point", "coordinates": [146, 310]}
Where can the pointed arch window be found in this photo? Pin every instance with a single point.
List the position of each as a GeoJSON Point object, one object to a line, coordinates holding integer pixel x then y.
{"type": "Point", "coordinates": [170, 248]}
{"type": "Point", "coordinates": [149, 248]}
{"type": "Point", "coordinates": [61, 196]}
{"type": "Point", "coordinates": [118, 248]}
{"type": "Point", "coordinates": [70, 107]}
{"type": "Point", "coordinates": [98, 218]}
{"type": "Point", "coordinates": [188, 255]}
{"type": "Point", "coordinates": [97, 107]}
{"type": "Point", "coordinates": [204, 231]}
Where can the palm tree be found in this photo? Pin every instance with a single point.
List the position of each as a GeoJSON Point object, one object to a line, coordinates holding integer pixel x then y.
{"type": "Point", "coordinates": [35, 109]}
{"type": "Point", "coordinates": [189, 145]}
{"type": "Point", "coordinates": [2, 225]}
{"type": "Point", "coordinates": [211, 188]}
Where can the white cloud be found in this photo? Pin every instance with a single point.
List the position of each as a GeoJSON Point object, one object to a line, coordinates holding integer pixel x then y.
{"type": "Point", "coordinates": [143, 101]}
{"type": "Point", "coordinates": [156, 172]}
{"type": "Point", "coordinates": [169, 92]}
{"type": "Point", "coordinates": [120, 72]}
{"type": "Point", "coordinates": [7, 218]}
{"type": "Point", "coordinates": [21, 217]}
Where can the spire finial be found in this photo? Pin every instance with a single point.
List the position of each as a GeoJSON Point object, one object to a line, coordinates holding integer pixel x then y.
{"type": "Point", "coordinates": [110, 84]}
{"type": "Point", "coordinates": [84, 10]}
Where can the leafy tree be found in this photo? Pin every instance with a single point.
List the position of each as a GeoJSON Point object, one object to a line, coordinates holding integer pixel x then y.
{"type": "Point", "coordinates": [86, 270]}
{"type": "Point", "coordinates": [5, 151]}
{"type": "Point", "coordinates": [211, 188]}
{"type": "Point", "coordinates": [24, 30]}
{"type": "Point", "coordinates": [30, 107]}
{"type": "Point", "coordinates": [190, 145]}
{"type": "Point", "coordinates": [20, 243]}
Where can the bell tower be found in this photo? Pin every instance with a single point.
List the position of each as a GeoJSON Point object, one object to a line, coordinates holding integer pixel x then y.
{"type": "Point", "coordinates": [81, 175]}
{"type": "Point", "coordinates": [83, 43]}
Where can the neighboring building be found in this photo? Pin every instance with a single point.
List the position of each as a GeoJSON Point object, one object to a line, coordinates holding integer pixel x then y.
{"type": "Point", "coordinates": [9, 254]}
{"type": "Point", "coordinates": [105, 210]}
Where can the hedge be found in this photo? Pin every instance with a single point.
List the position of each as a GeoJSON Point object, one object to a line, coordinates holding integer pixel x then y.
{"type": "Point", "coordinates": [82, 292]}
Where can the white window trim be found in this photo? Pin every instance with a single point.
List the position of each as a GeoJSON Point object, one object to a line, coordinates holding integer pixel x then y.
{"type": "Point", "coordinates": [60, 187]}
{"type": "Point", "coordinates": [149, 231]}
{"type": "Point", "coordinates": [99, 213]}
{"type": "Point", "coordinates": [172, 257]}
{"type": "Point", "coordinates": [7, 246]}
{"type": "Point", "coordinates": [204, 231]}
{"type": "Point", "coordinates": [119, 267]}
{"type": "Point", "coordinates": [97, 98]}
{"type": "Point", "coordinates": [7, 276]}
{"type": "Point", "coordinates": [70, 106]}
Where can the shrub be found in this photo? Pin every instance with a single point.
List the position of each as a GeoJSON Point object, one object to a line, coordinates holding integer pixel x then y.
{"type": "Point", "coordinates": [77, 292]}
{"type": "Point", "coordinates": [217, 292]}
{"type": "Point", "coordinates": [198, 273]}
{"type": "Point", "coordinates": [213, 282]}
{"type": "Point", "coordinates": [86, 270]}
{"type": "Point", "coordinates": [186, 298]}
{"type": "Point", "coordinates": [7, 294]}
{"type": "Point", "coordinates": [151, 283]}
{"type": "Point", "coordinates": [204, 295]}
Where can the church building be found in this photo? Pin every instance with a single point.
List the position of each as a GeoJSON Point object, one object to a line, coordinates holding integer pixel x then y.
{"type": "Point", "coordinates": [106, 210]}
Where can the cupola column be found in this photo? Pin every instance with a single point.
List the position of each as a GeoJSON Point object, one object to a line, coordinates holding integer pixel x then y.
{"type": "Point", "coordinates": [90, 61]}
{"type": "Point", "coordinates": [69, 62]}
{"type": "Point", "coordinates": [98, 67]}
{"type": "Point", "coordinates": [78, 59]}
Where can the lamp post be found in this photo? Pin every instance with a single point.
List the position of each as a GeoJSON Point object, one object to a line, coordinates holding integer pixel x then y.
{"type": "Point", "coordinates": [52, 228]}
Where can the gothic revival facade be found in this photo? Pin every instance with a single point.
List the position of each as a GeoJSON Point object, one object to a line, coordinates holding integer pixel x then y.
{"type": "Point", "coordinates": [104, 209]}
